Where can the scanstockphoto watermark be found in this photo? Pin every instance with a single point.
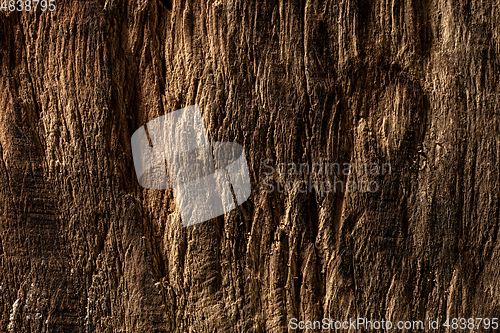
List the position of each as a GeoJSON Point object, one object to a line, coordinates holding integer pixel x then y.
{"type": "Point", "coordinates": [322, 177]}
{"type": "Point", "coordinates": [173, 151]}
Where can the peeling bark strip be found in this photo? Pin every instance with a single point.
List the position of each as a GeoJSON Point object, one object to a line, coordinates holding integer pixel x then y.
{"type": "Point", "coordinates": [84, 248]}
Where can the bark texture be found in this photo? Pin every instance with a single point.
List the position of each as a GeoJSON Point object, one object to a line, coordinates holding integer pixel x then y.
{"type": "Point", "coordinates": [83, 248]}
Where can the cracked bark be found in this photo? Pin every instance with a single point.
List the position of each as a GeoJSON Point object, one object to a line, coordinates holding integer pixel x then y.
{"type": "Point", "coordinates": [83, 248]}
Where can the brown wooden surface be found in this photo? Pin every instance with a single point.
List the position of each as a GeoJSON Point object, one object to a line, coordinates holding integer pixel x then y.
{"type": "Point", "coordinates": [413, 83]}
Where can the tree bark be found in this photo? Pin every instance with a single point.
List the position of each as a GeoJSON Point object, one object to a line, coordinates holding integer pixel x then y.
{"type": "Point", "coordinates": [415, 84]}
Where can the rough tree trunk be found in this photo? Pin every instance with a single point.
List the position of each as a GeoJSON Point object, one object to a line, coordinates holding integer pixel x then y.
{"type": "Point", "coordinates": [83, 248]}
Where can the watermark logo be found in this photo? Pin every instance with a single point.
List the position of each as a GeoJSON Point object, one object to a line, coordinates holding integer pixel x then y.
{"type": "Point", "coordinates": [173, 151]}
{"type": "Point", "coordinates": [322, 177]}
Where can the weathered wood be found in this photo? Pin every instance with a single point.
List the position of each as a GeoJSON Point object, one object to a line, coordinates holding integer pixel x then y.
{"type": "Point", "coordinates": [83, 248]}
